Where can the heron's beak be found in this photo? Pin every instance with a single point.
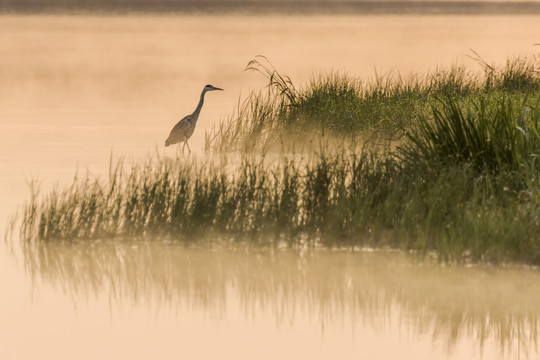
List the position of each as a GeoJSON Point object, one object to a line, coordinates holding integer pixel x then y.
{"type": "Point", "coordinates": [215, 88]}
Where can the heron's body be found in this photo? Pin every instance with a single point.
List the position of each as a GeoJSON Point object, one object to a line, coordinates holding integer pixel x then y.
{"type": "Point", "coordinates": [183, 130]}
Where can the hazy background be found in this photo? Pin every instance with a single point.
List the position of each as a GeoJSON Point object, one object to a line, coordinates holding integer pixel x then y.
{"type": "Point", "coordinates": [75, 88]}
{"type": "Point", "coordinates": [277, 6]}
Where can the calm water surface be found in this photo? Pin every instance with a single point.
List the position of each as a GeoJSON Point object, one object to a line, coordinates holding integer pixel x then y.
{"type": "Point", "coordinates": [74, 89]}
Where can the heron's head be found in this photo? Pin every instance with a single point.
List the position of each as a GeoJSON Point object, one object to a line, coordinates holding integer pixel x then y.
{"type": "Point", "coordinates": [211, 88]}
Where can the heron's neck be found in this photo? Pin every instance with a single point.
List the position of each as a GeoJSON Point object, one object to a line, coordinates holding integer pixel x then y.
{"type": "Point", "coordinates": [199, 107]}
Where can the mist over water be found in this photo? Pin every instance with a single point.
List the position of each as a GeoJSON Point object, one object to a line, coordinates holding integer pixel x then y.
{"type": "Point", "coordinates": [76, 88]}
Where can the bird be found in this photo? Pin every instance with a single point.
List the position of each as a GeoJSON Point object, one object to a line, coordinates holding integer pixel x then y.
{"type": "Point", "coordinates": [183, 130]}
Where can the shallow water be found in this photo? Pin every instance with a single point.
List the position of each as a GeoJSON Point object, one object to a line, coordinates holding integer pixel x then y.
{"type": "Point", "coordinates": [75, 89]}
{"type": "Point", "coordinates": [149, 299]}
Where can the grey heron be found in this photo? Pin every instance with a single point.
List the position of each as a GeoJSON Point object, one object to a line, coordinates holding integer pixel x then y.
{"type": "Point", "coordinates": [183, 130]}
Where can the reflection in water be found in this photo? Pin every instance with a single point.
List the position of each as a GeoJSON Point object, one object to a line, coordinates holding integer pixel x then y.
{"type": "Point", "coordinates": [450, 303]}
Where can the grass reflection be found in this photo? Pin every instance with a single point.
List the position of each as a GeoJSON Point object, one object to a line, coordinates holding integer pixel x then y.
{"type": "Point", "coordinates": [449, 303]}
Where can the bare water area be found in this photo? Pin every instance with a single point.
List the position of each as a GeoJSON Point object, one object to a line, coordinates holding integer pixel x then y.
{"type": "Point", "coordinates": [75, 89]}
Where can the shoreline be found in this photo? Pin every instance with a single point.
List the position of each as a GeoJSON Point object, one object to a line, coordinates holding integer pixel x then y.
{"type": "Point", "coordinates": [272, 8]}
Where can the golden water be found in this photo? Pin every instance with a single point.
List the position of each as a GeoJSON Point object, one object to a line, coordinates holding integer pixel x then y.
{"type": "Point", "coordinates": [73, 89]}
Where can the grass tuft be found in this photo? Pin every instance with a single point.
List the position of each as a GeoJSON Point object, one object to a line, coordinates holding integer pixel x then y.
{"type": "Point", "coordinates": [496, 134]}
{"type": "Point", "coordinates": [338, 105]}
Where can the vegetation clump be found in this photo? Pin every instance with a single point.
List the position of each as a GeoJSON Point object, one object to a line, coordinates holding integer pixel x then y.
{"type": "Point", "coordinates": [341, 106]}
{"type": "Point", "coordinates": [462, 183]}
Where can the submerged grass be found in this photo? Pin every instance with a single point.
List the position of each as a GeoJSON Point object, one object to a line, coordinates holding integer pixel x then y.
{"type": "Point", "coordinates": [463, 182]}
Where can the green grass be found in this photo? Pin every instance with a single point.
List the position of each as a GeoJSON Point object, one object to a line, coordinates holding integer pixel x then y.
{"type": "Point", "coordinates": [339, 105]}
{"type": "Point", "coordinates": [495, 133]}
{"type": "Point", "coordinates": [462, 183]}
{"type": "Point", "coordinates": [350, 199]}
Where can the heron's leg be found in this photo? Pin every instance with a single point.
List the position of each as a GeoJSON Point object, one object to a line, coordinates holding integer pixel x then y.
{"type": "Point", "coordinates": [186, 144]}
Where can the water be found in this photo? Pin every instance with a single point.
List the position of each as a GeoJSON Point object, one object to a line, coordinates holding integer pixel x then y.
{"type": "Point", "coordinates": [77, 88]}
{"type": "Point", "coordinates": [157, 299]}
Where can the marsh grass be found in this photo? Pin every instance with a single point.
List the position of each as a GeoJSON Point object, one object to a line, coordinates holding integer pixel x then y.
{"type": "Point", "coordinates": [496, 133]}
{"type": "Point", "coordinates": [518, 74]}
{"type": "Point", "coordinates": [339, 105]}
{"type": "Point", "coordinates": [344, 200]}
{"type": "Point", "coordinates": [463, 182]}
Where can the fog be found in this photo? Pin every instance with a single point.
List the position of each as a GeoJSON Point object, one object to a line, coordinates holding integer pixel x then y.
{"type": "Point", "coordinates": [76, 88]}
